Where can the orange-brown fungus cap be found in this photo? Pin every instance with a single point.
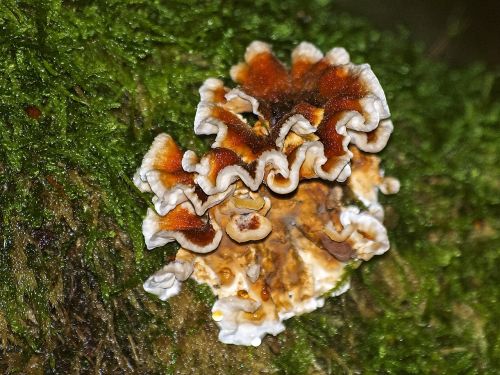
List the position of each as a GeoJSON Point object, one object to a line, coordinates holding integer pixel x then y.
{"type": "Point", "coordinates": [322, 103]}
{"type": "Point", "coordinates": [185, 226]}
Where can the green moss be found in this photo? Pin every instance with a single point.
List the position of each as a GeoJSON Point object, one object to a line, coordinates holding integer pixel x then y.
{"type": "Point", "coordinates": [296, 358]}
{"type": "Point", "coordinates": [202, 292]}
{"type": "Point", "coordinates": [108, 76]}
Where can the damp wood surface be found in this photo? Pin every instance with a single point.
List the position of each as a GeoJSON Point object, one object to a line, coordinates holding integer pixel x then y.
{"type": "Point", "coordinates": [84, 89]}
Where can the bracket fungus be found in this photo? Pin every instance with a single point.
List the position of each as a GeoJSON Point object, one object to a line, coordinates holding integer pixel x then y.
{"type": "Point", "coordinates": [262, 217]}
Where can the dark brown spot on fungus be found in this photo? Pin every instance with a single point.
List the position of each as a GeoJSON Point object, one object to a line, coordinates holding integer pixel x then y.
{"type": "Point", "coordinates": [264, 293]}
{"type": "Point", "coordinates": [340, 250]}
{"type": "Point", "coordinates": [249, 224]}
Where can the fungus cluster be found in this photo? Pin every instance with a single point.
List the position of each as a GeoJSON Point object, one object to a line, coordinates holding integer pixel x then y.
{"type": "Point", "coordinates": [263, 217]}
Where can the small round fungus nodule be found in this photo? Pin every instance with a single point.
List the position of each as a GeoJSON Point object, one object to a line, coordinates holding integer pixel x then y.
{"type": "Point", "coordinates": [262, 217]}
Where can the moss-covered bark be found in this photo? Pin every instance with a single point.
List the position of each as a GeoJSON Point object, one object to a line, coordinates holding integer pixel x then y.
{"type": "Point", "coordinates": [84, 88]}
